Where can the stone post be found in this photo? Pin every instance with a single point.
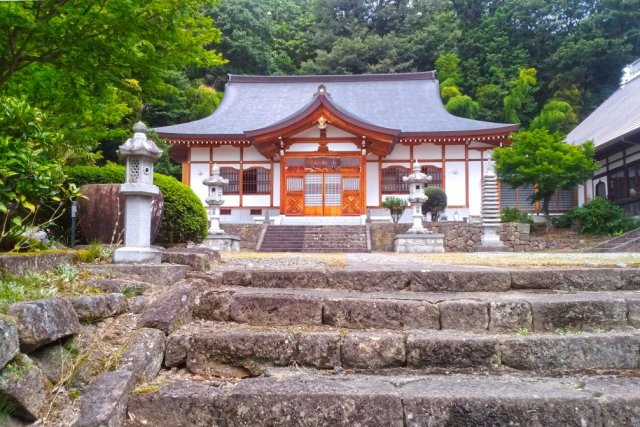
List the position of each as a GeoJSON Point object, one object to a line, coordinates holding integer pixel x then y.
{"type": "Point", "coordinates": [491, 225]}
{"type": "Point", "coordinates": [140, 154]}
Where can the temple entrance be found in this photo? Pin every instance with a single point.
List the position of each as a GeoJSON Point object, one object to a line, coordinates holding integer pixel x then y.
{"type": "Point", "coordinates": [327, 185]}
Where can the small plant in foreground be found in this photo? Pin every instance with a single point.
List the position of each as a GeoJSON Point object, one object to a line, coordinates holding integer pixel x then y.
{"type": "Point", "coordinates": [522, 332]}
{"type": "Point", "coordinates": [67, 273]}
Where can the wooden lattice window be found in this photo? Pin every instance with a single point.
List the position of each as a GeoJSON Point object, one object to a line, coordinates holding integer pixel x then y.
{"type": "Point", "coordinates": [392, 182]}
{"type": "Point", "coordinates": [436, 175]}
{"type": "Point", "coordinates": [233, 175]}
{"type": "Point", "coordinates": [256, 181]}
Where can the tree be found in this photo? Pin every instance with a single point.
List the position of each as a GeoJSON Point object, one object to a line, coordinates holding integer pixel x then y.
{"type": "Point", "coordinates": [32, 188]}
{"type": "Point", "coordinates": [92, 65]}
{"type": "Point", "coordinates": [556, 116]}
{"type": "Point", "coordinates": [543, 160]}
{"type": "Point", "coordinates": [436, 202]}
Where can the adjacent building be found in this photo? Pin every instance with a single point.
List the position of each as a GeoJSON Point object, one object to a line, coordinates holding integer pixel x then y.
{"type": "Point", "coordinates": [614, 128]}
{"type": "Point", "coordinates": [333, 145]}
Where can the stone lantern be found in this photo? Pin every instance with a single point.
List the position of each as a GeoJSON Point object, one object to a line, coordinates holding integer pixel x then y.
{"type": "Point", "coordinates": [216, 184]}
{"type": "Point", "coordinates": [216, 238]}
{"type": "Point", "coordinates": [491, 224]}
{"type": "Point", "coordinates": [140, 154]}
{"type": "Point", "coordinates": [417, 182]}
{"type": "Point", "coordinates": [418, 239]}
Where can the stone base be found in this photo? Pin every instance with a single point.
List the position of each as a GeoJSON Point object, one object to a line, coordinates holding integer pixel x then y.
{"type": "Point", "coordinates": [133, 255]}
{"type": "Point", "coordinates": [419, 243]}
{"type": "Point", "coordinates": [222, 242]}
{"type": "Point", "coordinates": [491, 248]}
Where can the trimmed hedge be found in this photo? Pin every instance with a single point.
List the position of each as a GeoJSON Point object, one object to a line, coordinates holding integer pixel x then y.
{"type": "Point", "coordinates": [184, 217]}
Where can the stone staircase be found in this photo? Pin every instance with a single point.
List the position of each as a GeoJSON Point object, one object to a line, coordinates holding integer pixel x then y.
{"type": "Point", "coordinates": [404, 348]}
{"type": "Point", "coordinates": [628, 242]}
{"type": "Point", "coordinates": [314, 238]}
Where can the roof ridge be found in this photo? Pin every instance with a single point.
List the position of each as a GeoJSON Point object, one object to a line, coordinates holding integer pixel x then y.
{"type": "Point", "coordinates": [421, 75]}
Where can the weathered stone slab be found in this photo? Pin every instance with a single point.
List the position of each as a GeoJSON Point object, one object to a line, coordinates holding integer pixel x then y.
{"type": "Point", "coordinates": [469, 402]}
{"type": "Point", "coordinates": [138, 304]}
{"type": "Point", "coordinates": [54, 361]}
{"type": "Point", "coordinates": [442, 349]}
{"type": "Point", "coordinates": [369, 280]}
{"type": "Point", "coordinates": [320, 349]}
{"type": "Point", "coordinates": [199, 259]}
{"type": "Point", "coordinates": [19, 265]}
{"type": "Point", "coordinates": [91, 308]}
{"type": "Point", "coordinates": [316, 402]}
{"type": "Point", "coordinates": [239, 354]}
{"type": "Point", "coordinates": [464, 315]}
{"type": "Point", "coordinates": [510, 316]}
{"type": "Point", "coordinates": [144, 354]}
{"type": "Point", "coordinates": [619, 399]}
{"type": "Point", "coordinates": [373, 350]}
{"type": "Point", "coordinates": [9, 344]}
{"type": "Point", "coordinates": [158, 274]}
{"type": "Point", "coordinates": [572, 352]}
{"type": "Point", "coordinates": [176, 346]}
{"type": "Point", "coordinates": [380, 313]}
{"type": "Point", "coordinates": [551, 313]}
{"type": "Point", "coordinates": [117, 285]}
{"type": "Point", "coordinates": [179, 404]}
{"type": "Point", "coordinates": [633, 313]}
{"type": "Point", "coordinates": [265, 309]}
{"type": "Point", "coordinates": [236, 278]}
{"type": "Point", "coordinates": [213, 305]}
{"type": "Point", "coordinates": [22, 383]}
{"type": "Point", "coordinates": [104, 402]}
{"type": "Point", "coordinates": [44, 321]}
{"type": "Point", "coordinates": [596, 279]}
{"type": "Point", "coordinates": [460, 281]}
{"type": "Point", "coordinates": [630, 278]}
{"type": "Point", "coordinates": [170, 310]}
{"type": "Point", "coordinates": [284, 279]}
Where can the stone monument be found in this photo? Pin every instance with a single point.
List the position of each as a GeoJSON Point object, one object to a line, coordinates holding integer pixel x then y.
{"type": "Point", "coordinates": [491, 225]}
{"type": "Point", "coordinates": [418, 238]}
{"type": "Point", "coordinates": [140, 154]}
{"type": "Point", "coordinates": [216, 238]}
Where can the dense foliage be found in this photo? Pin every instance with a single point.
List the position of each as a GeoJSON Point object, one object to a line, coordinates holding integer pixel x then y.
{"type": "Point", "coordinates": [32, 182]}
{"type": "Point", "coordinates": [598, 216]}
{"type": "Point", "coordinates": [184, 218]}
{"type": "Point", "coordinates": [542, 159]}
{"type": "Point", "coordinates": [514, 215]}
{"type": "Point", "coordinates": [436, 202]}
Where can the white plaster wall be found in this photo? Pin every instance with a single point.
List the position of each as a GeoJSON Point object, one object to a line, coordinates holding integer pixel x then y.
{"type": "Point", "coordinates": [633, 157]}
{"type": "Point", "coordinates": [455, 184]}
{"type": "Point", "coordinates": [403, 164]}
{"type": "Point", "coordinates": [475, 189]}
{"type": "Point", "coordinates": [251, 154]}
{"type": "Point", "coordinates": [231, 200]}
{"type": "Point", "coordinates": [342, 146]}
{"type": "Point", "coordinates": [615, 156]}
{"type": "Point", "coordinates": [226, 153]}
{"type": "Point", "coordinates": [580, 191]}
{"type": "Point", "coordinates": [616, 164]}
{"type": "Point", "coordinates": [261, 200]}
{"type": "Point", "coordinates": [427, 151]}
{"type": "Point", "coordinates": [199, 171]}
{"type": "Point", "coordinates": [399, 152]}
{"type": "Point", "coordinates": [475, 154]}
{"type": "Point", "coordinates": [303, 147]}
{"type": "Point", "coordinates": [454, 152]}
{"type": "Point", "coordinates": [276, 184]}
{"type": "Point", "coordinates": [373, 184]}
{"type": "Point", "coordinates": [200, 154]}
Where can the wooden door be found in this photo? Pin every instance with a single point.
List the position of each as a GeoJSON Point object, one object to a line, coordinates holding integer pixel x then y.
{"type": "Point", "coordinates": [322, 194]}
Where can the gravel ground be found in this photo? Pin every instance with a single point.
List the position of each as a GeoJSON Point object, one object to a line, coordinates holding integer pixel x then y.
{"type": "Point", "coordinates": [385, 261]}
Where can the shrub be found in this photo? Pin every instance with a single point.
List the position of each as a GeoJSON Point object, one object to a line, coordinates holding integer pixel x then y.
{"type": "Point", "coordinates": [184, 217]}
{"type": "Point", "coordinates": [514, 215]}
{"type": "Point", "coordinates": [394, 202]}
{"type": "Point", "coordinates": [32, 189]}
{"type": "Point", "coordinates": [436, 203]}
{"type": "Point", "coordinates": [598, 216]}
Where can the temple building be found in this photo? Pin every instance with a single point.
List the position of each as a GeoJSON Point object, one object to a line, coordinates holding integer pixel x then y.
{"type": "Point", "coordinates": [333, 145]}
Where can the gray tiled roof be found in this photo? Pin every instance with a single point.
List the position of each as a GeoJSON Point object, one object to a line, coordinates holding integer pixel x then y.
{"type": "Point", "coordinates": [618, 116]}
{"type": "Point", "coordinates": [409, 102]}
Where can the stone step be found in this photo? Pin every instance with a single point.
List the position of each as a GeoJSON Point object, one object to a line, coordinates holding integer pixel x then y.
{"type": "Point", "coordinates": [283, 238]}
{"type": "Point", "coordinates": [461, 280]}
{"type": "Point", "coordinates": [396, 401]}
{"type": "Point", "coordinates": [496, 312]}
{"type": "Point", "coordinates": [220, 349]}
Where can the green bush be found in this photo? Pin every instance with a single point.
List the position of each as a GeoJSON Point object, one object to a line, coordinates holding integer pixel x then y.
{"type": "Point", "coordinates": [394, 202]}
{"type": "Point", "coordinates": [598, 216]}
{"type": "Point", "coordinates": [184, 217]}
{"type": "Point", "coordinates": [514, 215]}
{"type": "Point", "coordinates": [436, 203]}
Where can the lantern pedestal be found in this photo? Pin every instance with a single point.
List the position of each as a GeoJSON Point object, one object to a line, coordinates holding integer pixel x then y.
{"type": "Point", "coordinates": [222, 242]}
{"type": "Point", "coordinates": [419, 243]}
